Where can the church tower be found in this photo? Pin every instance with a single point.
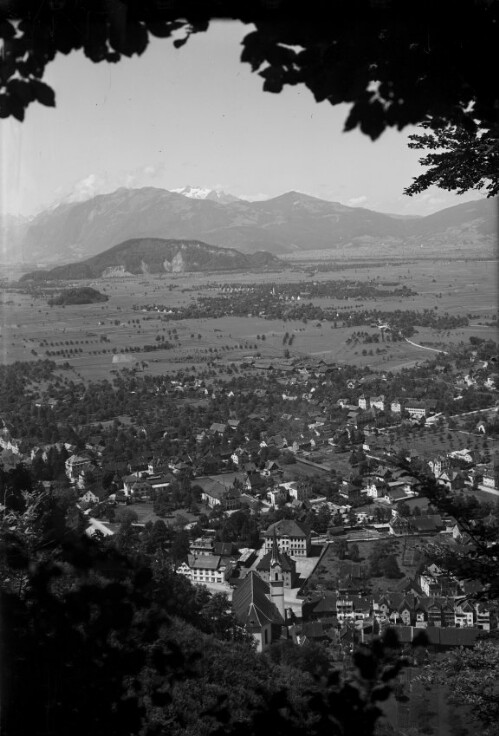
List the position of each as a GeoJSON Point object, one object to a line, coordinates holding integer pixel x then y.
{"type": "Point", "coordinates": [276, 578]}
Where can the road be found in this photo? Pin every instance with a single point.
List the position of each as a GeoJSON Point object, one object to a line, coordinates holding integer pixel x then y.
{"type": "Point", "coordinates": [423, 347]}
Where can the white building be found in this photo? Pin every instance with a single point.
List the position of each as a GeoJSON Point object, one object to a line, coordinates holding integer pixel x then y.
{"type": "Point", "coordinates": [205, 569]}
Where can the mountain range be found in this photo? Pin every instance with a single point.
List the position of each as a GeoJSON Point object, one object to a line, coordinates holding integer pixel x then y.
{"type": "Point", "coordinates": [214, 195]}
{"type": "Point", "coordinates": [290, 223]}
{"type": "Point", "coordinates": [156, 255]}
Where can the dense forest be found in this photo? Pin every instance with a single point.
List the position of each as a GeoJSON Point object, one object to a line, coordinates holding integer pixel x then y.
{"type": "Point", "coordinates": [80, 295]}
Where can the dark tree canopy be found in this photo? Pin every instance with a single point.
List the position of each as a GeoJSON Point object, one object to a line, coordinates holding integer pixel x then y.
{"type": "Point", "coordinates": [458, 158]}
{"type": "Point", "coordinates": [394, 63]}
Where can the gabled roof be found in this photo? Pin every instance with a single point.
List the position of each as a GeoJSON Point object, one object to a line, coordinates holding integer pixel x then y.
{"type": "Point", "coordinates": [397, 494]}
{"type": "Point", "coordinates": [326, 604]}
{"type": "Point", "coordinates": [77, 459]}
{"type": "Point", "coordinates": [287, 564]}
{"type": "Point", "coordinates": [286, 528]}
{"type": "Point", "coordinates": [204, 562]}
{"type": "Point", "coordinates": [408, 602]}
{"type": "Point", "coordinates": [217, 490]}
{"type": "Point", "coordinates": [251, 605]}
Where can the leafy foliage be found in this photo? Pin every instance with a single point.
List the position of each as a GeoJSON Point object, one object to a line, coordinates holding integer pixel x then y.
{"type": "Point", "coordinates": [472, 677]}
{"type": "Point", "coordinates": [393, 64]}
{"type": "Point", "coordinates": [80, 295]}
{"type": "Point", "coordinates": [461, 158]}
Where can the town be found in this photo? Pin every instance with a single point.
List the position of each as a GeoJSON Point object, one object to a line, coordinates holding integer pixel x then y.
{"type": "Point", "coordinates": [299, 497]}
{"type": "Point", "coordinates": [249, 392]}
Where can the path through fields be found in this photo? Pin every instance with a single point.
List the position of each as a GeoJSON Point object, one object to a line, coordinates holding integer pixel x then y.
{"type": "Point", "coordinates": [423, 347]}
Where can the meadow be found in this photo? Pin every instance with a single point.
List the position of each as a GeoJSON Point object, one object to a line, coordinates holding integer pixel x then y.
{"type": "Point", "coordinates": [29, 328]}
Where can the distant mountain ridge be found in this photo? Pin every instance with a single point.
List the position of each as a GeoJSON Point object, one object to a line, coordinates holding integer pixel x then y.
{"type": "Point", "coordinates": [293, 222]}
{"type": "Point", "coordinates": [215, 195]}
{"type": "Point", "coordinates": [155, 256]}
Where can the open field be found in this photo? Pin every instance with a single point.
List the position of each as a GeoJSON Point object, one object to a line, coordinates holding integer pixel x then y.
{"type": "Point", "coordinates": [407, 550]}
{"type": "Point", "coordinates": [29, 328]}
{"type": "Point", "coordinates": [464, 286]}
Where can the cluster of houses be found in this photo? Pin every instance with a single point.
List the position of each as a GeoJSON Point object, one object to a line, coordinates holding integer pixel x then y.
{"type": "Point", "coordinates": [405, 609]}
{"type": "Point", "coordinates": [457, 470]}
{"type": "Point", "coordinates": [258, 601]}
{"type": "Point", "coordinates": [448, 620]}
{"type": "Point", "coordinates": [435, 600]}
{"type": "Point", "coordinates": [414, 407]}
{"type": "Point", "coordinates": [220, 562]}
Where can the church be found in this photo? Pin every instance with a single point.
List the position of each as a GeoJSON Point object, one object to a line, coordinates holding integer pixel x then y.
{"type": "Point", "coordinates": [259, 604]}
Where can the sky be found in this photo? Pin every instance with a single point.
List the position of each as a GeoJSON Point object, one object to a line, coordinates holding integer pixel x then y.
{"type": "Point", "coordinates": [198, 116]}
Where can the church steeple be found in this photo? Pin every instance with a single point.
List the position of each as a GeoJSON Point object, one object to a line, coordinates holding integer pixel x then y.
{"type": "Point", "coordinates": [275, 558]}
{"type": "Point", "coordinates": [276, 578]}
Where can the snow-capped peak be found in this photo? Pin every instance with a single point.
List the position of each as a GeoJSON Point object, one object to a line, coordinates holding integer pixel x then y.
{"type": "Point", "coordinates": [193, 192]}
{"type": "Point", "coordinates": [215, 195]}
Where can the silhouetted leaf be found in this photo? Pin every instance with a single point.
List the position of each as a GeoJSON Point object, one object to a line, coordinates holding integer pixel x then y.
{"type": "Point", "coordinates": [43, 93]}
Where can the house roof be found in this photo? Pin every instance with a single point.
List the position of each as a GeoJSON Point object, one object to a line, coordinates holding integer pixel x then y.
{"type": "Point", "coordinates": [217, 490]}
{"type": "Point", "coordinates": [141, 485]}
{"type": "Point", "coordinates": [163, 480]}
{"type": "Point", "coordinates": [251, 605]}
{"type": "Point", "coordinates": [218, 427]}
{"type": "Point", "coordinates": [131, 478]}
{"type": "Point", "coordinates": [325, 605]}
{"type": "Point", "coordinates": [287, 564]}
{"type": "Point", "coordinates": [204, 562]}
{"type": "Point", "coordinates": [206, 482]}
{"type": "Point", "coordinates": [77, 459]}
{"type": "Point", "coordinates": [203, 542]}
{"type": "Point", "coordinates": [397, 494]}
{"type": "Point", "coordinates": [89, 494]}
{"type": "Point", "coordinates": [286, 528]}
{"type": "Point", "coordinates": [427, 523]}
{"type": "Point", "coordinates": [398, 601]}
{"type": "Point", "coordinates": [361, 604]}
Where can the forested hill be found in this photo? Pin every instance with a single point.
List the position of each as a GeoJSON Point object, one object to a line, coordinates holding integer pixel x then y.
{"type": "Point", "coordinates": [156, 255]}
{"type": "Point", "coordinates": [79, 295]}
